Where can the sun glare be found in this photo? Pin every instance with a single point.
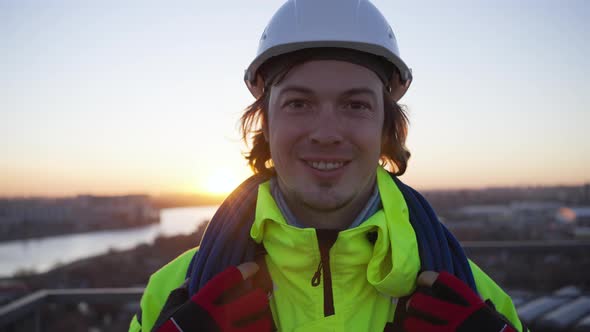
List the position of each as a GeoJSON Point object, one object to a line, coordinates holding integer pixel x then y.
{"type": "Point", "coordinates": [222, 182]}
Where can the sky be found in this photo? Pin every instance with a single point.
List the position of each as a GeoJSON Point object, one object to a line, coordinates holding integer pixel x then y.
{"type": "Point", "coordinates": [115, 97]}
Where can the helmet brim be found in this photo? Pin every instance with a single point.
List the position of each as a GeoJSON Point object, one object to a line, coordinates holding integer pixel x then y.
{"type": "Point", "coordinates": [399, 85]}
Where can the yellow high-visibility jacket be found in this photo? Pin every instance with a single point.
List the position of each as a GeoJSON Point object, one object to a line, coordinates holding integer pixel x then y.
{"type": "Point", "coordinates": [367, 278]}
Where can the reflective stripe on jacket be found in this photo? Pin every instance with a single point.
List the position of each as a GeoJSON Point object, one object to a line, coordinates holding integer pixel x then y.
{"type": "Point", "coordinates": [351, 287]}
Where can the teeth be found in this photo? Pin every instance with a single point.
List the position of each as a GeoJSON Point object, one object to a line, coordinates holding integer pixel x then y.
{"type": "Point", "coordinates": [325, 165]}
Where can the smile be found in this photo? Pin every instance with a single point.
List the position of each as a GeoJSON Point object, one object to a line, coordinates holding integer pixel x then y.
{"type": "Point", "coordinates": [326, 165]}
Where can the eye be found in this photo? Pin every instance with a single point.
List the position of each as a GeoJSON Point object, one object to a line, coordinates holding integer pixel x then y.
{"type": "Point", "coordinates": [296, 104]}
{"type": "Point", "coordinates": [358, 106]}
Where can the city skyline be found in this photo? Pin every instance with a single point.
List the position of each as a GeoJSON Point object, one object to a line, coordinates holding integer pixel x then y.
{"type": "Point", "coordinates": [106, 98]}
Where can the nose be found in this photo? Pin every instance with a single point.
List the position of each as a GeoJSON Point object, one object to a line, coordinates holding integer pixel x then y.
{"type": "Point", "coordinates": [326, 128]}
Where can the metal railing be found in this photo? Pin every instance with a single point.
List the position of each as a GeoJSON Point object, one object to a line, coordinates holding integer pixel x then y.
{"type": "Point", "coordinates": [561, 246]}
{"type": "Point", "coordinates": [30, 305]}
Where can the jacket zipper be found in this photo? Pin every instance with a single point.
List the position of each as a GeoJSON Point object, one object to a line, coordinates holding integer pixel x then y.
{"type": "Point", "coordinates": [326, 239]}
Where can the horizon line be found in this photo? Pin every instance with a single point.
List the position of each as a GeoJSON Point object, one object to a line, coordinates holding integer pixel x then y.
{"type": "Point", "coordinates": [204, 194]}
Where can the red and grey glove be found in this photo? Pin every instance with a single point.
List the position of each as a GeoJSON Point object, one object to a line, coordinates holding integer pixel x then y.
{"type": "Point", "coordinates": [213, 308]}
{"type": "Point", "coordinates": [449, 305]}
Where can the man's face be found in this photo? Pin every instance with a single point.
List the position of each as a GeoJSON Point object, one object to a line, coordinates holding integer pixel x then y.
{"type": "Point", "coordinates": [325, 123]}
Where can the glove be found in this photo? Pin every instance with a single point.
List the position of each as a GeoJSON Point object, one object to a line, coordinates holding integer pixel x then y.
{"type": "Point", "coordinates": [216, 307]}
{"type": "Point", "coordinates": [449, 305]}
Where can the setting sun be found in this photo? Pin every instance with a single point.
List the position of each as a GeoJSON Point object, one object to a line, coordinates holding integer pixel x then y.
{"type": "Point", "coordinates": [221, 182]}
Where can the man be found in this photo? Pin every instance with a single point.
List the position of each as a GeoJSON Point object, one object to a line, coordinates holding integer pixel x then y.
{"type": "Point", "coordinates": [342, 240]}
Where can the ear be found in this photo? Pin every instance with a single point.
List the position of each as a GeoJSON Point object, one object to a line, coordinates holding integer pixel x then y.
{"type": "Point", "coordinates": [257, 86]}
{"type": "Point", "coordinates": [399, 87]}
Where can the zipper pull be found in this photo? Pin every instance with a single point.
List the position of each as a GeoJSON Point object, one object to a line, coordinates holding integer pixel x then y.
{"type": "Point", "coordinates": [315, 281]}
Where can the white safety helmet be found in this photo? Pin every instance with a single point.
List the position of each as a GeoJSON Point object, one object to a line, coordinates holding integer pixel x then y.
{"type": "Point", "coordinates": [351, 24]}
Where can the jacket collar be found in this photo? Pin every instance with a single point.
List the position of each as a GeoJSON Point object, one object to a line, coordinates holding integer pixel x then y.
{"type": "Point", "coordinates": [394, 261]}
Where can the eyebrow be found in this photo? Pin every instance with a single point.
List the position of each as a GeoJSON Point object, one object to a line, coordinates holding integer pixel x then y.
{"type": "Point", "coordinates": [359, 91]}
{"type": "Point", "coordinates": [349, 92]}
{"type": "Point", "coordinates": [296, 88]}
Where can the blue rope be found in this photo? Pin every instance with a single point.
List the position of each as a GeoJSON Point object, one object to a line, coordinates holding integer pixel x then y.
{"type": "Point", "coordinates": [227, 239]}
{"type": "Point", "coordinates": [439, 249]}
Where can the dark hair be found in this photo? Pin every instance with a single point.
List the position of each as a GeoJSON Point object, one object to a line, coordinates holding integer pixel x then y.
{"type": "Point", "coordinates": [394, 153]}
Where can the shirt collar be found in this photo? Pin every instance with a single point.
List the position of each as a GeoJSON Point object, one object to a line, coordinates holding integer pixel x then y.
{"type": "Point", "coordinates": [371, 207]}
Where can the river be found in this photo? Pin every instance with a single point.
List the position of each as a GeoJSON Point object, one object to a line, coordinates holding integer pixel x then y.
{"type": "Point", "coordinates": [40, 255]}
